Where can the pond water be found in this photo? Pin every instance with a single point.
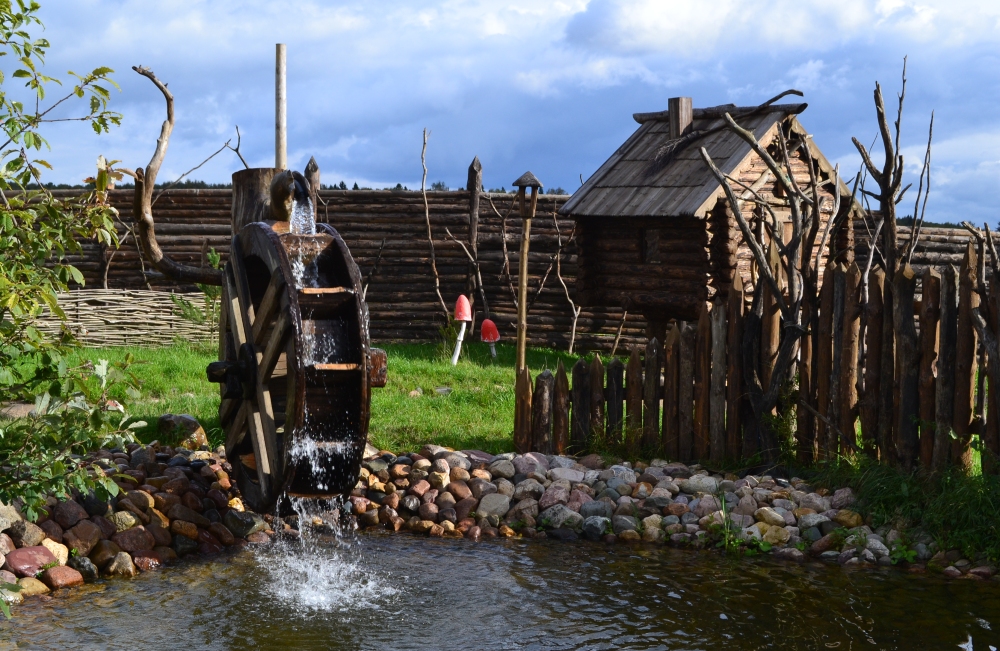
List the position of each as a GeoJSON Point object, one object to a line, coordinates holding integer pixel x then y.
{"type": "Point", "coordinates": [379, 591]}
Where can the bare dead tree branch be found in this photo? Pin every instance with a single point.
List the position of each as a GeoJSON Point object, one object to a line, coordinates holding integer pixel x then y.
{"type": "Point", "coordinates": [142, 202]}
{"type": "Point", "coordinates": [618, 335]}
{"type": "Point", "coordinates": [374, 270]}
{"type": "Point", "coordinates": [427, 220]}
{"type": "Point", "coordinates": [572, 306]}
{"type": "Point", "coordinates": [505, 269]}
{"type": "Point", "coordinates": [475, 265]}
{"type": "Point", "coordinates": [924, 171]}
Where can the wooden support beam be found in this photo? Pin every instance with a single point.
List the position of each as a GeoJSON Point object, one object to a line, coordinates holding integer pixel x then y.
{"type": "Point", "coordinates": [597, 425]}
{"type": "Point", "coordinates": [966, 344]}
{"type": "Point", "coordinates": [702, 382]}
{"type": "Point", "coordinates": [717, 388]}
{"type": "Point", "coordinates": [633, 402]}
{"type": "Point", "coordinates": [930, 314]}
{"type": "Point", "coordinates": [580, 422]}
{"type": "Point", "coordinates": [522, 412]}
{"type": "Point", "coordinates": [734, 369]}
{"type": "Point", "coordinates": [869, 405]}
{"type": "Point", "coordinates": [944, 385]}
{"type": "Point", "coordinates": [685, 392]}
{"type": "Point", "coordinates": [908, 367]}
{"type": "Point", "coordinates": [541, 413]}
{"type": "Point", "coordinates": [614, 396]}
{"type": "Point", "coordinates": [671, 353]}
{"type": "Point", "coordinates": [849, 361]}
{"type": "Point", "coordinates": [651, 394]}
{"type": "Point", "coordinates": [560, 412]}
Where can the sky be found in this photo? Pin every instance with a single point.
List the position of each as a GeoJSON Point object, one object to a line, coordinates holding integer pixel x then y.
{"type": "Point", "coordinates": [525, 85]}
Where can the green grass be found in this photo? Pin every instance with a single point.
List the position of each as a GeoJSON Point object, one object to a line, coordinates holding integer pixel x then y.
{"type": "Point", "coordinates": [477, 414]}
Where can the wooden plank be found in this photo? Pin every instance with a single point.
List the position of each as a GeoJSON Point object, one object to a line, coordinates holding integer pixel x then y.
{"type": "Point", "coordinates": [702, 382]}
{"type": "Point", "coordinates": [831, 438]}
{"type": "Point", "coordinates": [541, 413]}
{"type": "Point", "coordinates": [944, 385]}
{"type": "Point", "coordinates": [930, 313]}
{"type": "Point", "coordinates": [614, 396]}
{"type": "Point", "coordinates": [849, 360]}
{"type": "Point", "coordinates": [991, 429]}
{"type": "Point", "coordinates": [908, 365]}
{"type": "Point", "coordinates": [805, 421]}
{"type": "Point", "coordinates": [734, 369]}
{"type": "Point", "coordinates": [633, 402]}
{"type": "Point", "coordinates": [966, 343]}
{"type": "Point", "coordinates": [597, 425]}
{"type": "Point", "coordinates": [717, 391]}
{"type": "Point", "coordinates": [685, 392]}
{"type": "Point", "coordinates": [869, 403]}
{"type": "Point", "coordinates": [560, 412]}
{"type": "Point", "coordinates": [580, 423]}
{"type": "Point", "coordinates": [651, 394]}
{"type": "Point", "coordinates": [522, 412]}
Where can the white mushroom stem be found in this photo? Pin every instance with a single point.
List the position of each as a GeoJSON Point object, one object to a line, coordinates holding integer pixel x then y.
{"type": "Point", "coordinates": [458, 345]}
{"type": "Point", "coordinates": [493, 350]}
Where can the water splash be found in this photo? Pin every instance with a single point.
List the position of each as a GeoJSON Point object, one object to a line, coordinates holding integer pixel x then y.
{"type": "Point", "coordinates": [303, 221]}
{"type": "Point", "coordinates": [324, 570]}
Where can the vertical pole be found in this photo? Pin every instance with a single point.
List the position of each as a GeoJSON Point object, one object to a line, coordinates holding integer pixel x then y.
{"type": "Point", "coordinates": [280, 110]}
{"type": "Point", "coordinates": [527, 212]}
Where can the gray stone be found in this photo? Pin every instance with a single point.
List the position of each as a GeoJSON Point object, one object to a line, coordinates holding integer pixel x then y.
{"type": "Point", "coordinates": [699, 484]}
{"type": "Point", "coordinates": [623, 473]}
{"type": "Point", "coordinates": [923, 552]}
{"type": "Point", "coordinates": [8, 516]}
{"type": "Point", "coordinates": [26, 534]}
{"type": "Point", "coordinates": [789, 554]}
{"type": "Point", "coordinates": [85, 567]}
{"type": "Point", "coordinates": [528, 488]}
{"type": "Point", "coordinates": [815, 502]}
{"type": "Point", "coordinates": [706, 505]}
{"type": "Point", "coordinates": [502, 469]}
{"type": "Point", "coordinates": [610, 493]}
{"type": "Point", "coordinates": [670, 519]}
{"type": "Point", "coordinates": [573, 476]}
{"type": "Point", "coordinates": [504, 487]}
{"type": "Point", "coordinates": [481, 487]}
{"type": "Point", "coordinates": [495, 504]}
{"type": "Point", "coordinates": [740, 520]}
{"type": "Point", "coordinates": [877, 548]}
{"type": "Point", "coordinates": [561, 462]}
{"type": "Point", "coordinates": [746, 506]}
{"type": "Point", "coordinates": [554, 494]}
{"type": "Point", "coordinates": [183, 545]}
{"type": "Point", "coordinates": [867, 556]}
{"type": "Point", "coordinates": [123, 520]}
{"type": "Point", "coordinates": [122, 565]}
{"type": "Point", "coordinates": [829, 556]}
{"type": "Point", "coordinates": [622, 523]}
{"type": "Point", "coordinates": [846, 555]}
{"type": "Point", "coordinates": [842, 498]}
{"type": "Point", "coordinates": [456, 460]}
{"type": "Point", "coordinates": [689, 518]}
{"type": "Point", "coordinates": [527, 506]}
{"type": "Point", "coordinates": [595, 526]}
{"type": "Point", "coordinates": [243, 523]}
{"type": "Point", "coordinates": [620, 486]}
{"type": "Point", "coordinates": [560, 517]}
{"type": "Point", "coordinates": [597, 508]}
{"type": "Point", "coordinates": [810, 520]}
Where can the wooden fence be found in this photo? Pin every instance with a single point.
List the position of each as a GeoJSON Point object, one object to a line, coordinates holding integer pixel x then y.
{"type": "Point", "coordinates": [388, 230]}
{"type": "Point", "coordinates": [686, 399]}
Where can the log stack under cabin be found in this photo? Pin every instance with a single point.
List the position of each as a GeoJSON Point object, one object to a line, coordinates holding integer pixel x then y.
{"type": "Point", "coordinates": [656, 233]}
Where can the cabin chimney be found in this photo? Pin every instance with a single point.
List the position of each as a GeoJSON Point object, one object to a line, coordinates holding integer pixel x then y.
{"type": "Point", "coordinates": [681, 115]}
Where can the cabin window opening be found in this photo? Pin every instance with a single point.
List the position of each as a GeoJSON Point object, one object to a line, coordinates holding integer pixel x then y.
{"type": "Point", "coordinates": [650, 245]}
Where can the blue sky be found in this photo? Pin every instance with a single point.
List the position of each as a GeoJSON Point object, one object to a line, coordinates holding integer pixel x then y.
{"type": "Point", "coordinates": [545, 86]}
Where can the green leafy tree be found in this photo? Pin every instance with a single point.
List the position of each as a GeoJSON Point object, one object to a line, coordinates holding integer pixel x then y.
{"type": "Point", "coordinates": [41, 454]}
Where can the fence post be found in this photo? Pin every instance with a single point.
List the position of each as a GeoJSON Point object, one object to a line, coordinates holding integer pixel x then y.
{"type": "Point", "coordinates": [824, 360]}
{"type": "Point", "coordinates": [541, 413]}
{"type": "Point", "coordinates": [522, 412]}
{"type": "Point", "coordinates": [717, 400]}
{"type": "Point", "coordinates": [944, 387]}
{"type": "Point", "coordinates": [734, 370]}
{"type": "Point", "coordinates": [991, 430]}
{"type": "Point", "coordinates": [651, 394]}
{"type": "Point", "coordinates": [597, 398]}
{"type": "Point", "coordinates": [614, 396]}
{"type": "Point", "coordinates": [580, 424]}
{"type": "Point", "coordinates": [965, 359]}
{"type": "Point", "coordinates": [770, 322]}
{"type": "Point", "coordinates": [873, 371]}
{"type": "Point", "coordinates": [685, 392]}
{"type": "Point", "coordinates": [560, 411]}
{"type": "Point", "coordinates": [805, 421]}
{"type": "Point", "coordinates": [849, 359]}
{"type": "Point", "coordinates": [702, 382]}
{"type": "Point", "coordinates": [930, 312]}
{"type": "Point", "coordinates": [837, 341]}
{"type": "Point", "coordinates": [633, 402]}
{"type": "Point", "coordinates": [907, 365]}
{"type": "Point", "coordinates": [671, 353]}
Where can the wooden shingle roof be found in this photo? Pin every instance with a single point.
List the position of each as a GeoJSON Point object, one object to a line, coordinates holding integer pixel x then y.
{"type": "Point", "coordinates": [632, 184]}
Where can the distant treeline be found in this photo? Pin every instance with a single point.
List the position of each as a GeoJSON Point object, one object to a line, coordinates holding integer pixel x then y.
{"type": "Point", "coordinates": [202, 185]}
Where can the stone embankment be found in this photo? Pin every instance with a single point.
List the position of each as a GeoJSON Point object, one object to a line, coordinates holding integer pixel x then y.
{"type": "Point", "coordinates": [474, 495]}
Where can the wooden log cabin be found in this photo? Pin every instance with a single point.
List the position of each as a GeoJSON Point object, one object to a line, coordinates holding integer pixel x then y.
{"type": "Point", "coordinates": [655, 231]}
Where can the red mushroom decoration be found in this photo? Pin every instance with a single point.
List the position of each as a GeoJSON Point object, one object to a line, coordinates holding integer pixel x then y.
{"type": "Point", "coordinates": [463, 313]}
{"type": "Point", "coordinates": [490, 335]}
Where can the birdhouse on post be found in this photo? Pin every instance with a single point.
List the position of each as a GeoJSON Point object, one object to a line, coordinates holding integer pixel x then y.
{"type": "Point", "coordinates": [527, 180]}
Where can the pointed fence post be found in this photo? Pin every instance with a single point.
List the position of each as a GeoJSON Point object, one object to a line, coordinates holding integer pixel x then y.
{"type": "Point", "coordinates": [597, 427]}
{"type": "Point", "coordinates": [907, 365]}
{"type": "Point", "coordinates": [824, 360]}
{"type": "Point", "coordinates": [541, 413]}
{"type": "Point", "coordinates": [869, 406]}
{"type": "Point", "coordinates": [671, 353]}
{"type": "Point", "coordinates": [560, 412]}
{"type": "Point", "coordinates": [930, 313]}
{"type": "Point", "coordinates": [633, 402]}
{"type": "Point", "coordinates": [614, 396]}
{"type": "Point", "coordinates": [717, 400]}
{"type": "Point", "coordinates": [837, 340]}
{"type": "Point", "coordinates": [580, 422]}
{"type": "Point", "coordinates": [966, 344]}
{"type": "Point", "coordinates": [734, 370]}
{"type": "Point", "coordinates": [685, 392]}
{"type": "Point", "coordinates": [702, 382]}
{"type": "Point", "coordinates": [651, 394]}
{"type": "Point", "coordinates": [944, 385]}
{"type": "Point", "coordinates": [849, 360]}
{"type": "Point", "coordinates": [522, 412]}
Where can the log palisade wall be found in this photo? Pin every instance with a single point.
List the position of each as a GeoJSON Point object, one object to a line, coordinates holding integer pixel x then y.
{"type": "Point", "coordinates": [401, 299]}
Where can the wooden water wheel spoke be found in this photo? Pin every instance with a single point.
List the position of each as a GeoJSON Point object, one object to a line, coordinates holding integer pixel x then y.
{"type": "Point", "coordinates": [275, 346]}
{"type": "Point", "coordinates": [269, 305]}
{"type": "Point", "coordinates": [257, 439]}
{"type": "Point", "coordinates": [237, 429]}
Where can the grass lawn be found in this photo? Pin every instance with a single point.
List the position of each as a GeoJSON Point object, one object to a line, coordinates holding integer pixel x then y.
{"type": "Point", "coordinates": [477, 413]}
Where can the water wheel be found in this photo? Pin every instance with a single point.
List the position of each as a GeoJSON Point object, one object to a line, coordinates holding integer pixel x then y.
{"type": "Point", "coordinates": [295, 364]}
